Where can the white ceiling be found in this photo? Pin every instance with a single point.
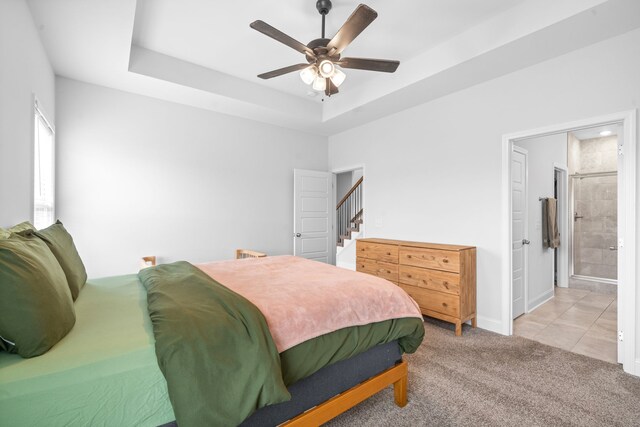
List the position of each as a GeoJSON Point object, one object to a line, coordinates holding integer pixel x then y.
{"type": "Point", "coordinates": [203, 53]}
{"type": "Point", "coordinates": [218, 37]}
{"type": "Point", "coordinates": [594, 132]}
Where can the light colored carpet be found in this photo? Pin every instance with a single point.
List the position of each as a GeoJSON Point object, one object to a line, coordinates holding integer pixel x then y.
{"type": "Point", "coordinates": [485, 379]}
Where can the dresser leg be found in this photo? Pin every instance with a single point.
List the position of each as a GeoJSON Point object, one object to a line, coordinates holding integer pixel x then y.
{"type": "Point", "coordinates": [458, 329]}
{"type": "Point", "coordinates": [474, 323]}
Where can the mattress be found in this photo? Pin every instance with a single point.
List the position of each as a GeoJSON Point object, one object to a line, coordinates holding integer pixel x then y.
{"type": "Point", "coordinates": [103, 373]}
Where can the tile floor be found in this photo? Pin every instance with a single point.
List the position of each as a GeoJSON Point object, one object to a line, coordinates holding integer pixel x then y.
{"type": "Point", "coordinates": [576, 320]}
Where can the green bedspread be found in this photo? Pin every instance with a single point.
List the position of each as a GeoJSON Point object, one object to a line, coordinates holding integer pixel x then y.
{"type": "Point", "coordinates": [213, 347]}
{"type": "Point", "coordinates": [217, 354]}
{"type": "Point", "coordinates": [310, 356]}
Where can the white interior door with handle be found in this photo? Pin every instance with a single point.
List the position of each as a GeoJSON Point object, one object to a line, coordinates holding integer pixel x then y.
{"type": "Point", "coordinates": [519, 229]}
{"type": "Point", "coordinates": [314, 213]}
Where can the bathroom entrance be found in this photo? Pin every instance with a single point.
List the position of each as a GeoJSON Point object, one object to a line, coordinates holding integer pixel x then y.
{"type": "Point", "coordinates": [571, 286]}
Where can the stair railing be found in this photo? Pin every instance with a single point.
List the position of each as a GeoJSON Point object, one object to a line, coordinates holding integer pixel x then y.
{"type": "Point", "coordinates": [349, 213]}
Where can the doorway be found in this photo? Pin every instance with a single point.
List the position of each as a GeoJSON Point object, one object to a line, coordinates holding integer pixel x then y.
{"type": "Point", "coordinates": [349, 215]}
{"type": "Point", "coordinates": [626, 188]}
{"type": "Point", "coordinates": [578, 318]}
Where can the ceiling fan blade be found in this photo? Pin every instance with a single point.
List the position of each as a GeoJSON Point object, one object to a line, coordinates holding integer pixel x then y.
{"type": "Point", "coordinates": [281, 71]}
{"type": "Point", "coordinates": [330, 88]}
{"type": "Point", "coordinates": [357, 22]}
{"type": "Point", "coordinates": [278, 35]}
{"type": "Point", "coordinates": [383, 65]}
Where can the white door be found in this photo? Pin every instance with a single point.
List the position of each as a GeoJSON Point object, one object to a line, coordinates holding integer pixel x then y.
{"type": "Point", "coordinates": [519, 228]}
{"type": "Point", "coordinates": [313, 210]}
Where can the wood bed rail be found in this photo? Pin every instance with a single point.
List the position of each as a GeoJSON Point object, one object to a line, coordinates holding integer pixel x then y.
{"type": "Point", "coordinates": [350, 398]}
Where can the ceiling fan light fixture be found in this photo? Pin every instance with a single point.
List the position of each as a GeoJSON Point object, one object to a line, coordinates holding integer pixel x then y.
{"type": "Point", "coordinates": [319, 83]}
{"type": "Point", "coordinates": [308, 75]}
{"type": "Point", "coordinates": [327, 69]}
{"type": "Point", "coordinates": [323, 55]}
{"type": "Point", "coordinates": [338, 77]}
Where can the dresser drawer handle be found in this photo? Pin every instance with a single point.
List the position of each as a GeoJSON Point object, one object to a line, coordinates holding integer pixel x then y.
{"type": "Point", "coordinates": [445, 261]}
{"type": "Point", "coordinates": [409, 256]}
{"type": "Point", "coordinates": [446, 284]}
{"type": "Point", "coordinates": [408, 276]}
{"type": "Point", "coordinates": [388, 253]}
{"type": "Point", "coordinates": [444, 304]}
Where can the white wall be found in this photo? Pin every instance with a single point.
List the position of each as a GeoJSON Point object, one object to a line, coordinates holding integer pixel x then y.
{"type": "Point", "coordinates": [343, 184]}
{"type": "Point", "coordinates": [24, 71]}
{"type": "Point", "coordinates": [140, 176]}
{"type": "Point", "coordinates": [542, 154]}
{"type": "Point", "coordinates": [434, 171]}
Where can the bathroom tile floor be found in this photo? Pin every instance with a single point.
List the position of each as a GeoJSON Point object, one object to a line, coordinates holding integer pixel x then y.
{"type": "Point", "coordinates": [576, 320]}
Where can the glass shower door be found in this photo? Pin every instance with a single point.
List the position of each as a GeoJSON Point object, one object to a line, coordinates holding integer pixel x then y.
{"type": "Point", "coordinates": [595, 215]}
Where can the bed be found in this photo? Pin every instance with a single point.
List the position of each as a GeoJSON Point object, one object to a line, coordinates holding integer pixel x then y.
{"type": "Point", "coordinates": [106, 371]}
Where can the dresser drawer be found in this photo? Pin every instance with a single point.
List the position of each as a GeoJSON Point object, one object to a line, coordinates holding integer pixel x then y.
{"type": "Point", "coordinates": [377, 251]}
{"type": "Point", "coordinates": [430, 258]}
{"type": "Point", "coordinates": [433, 300]}
{"type": "Point", "coordinates": [430, 279]}
{"type": "Point", "coordinates": [378, 268]}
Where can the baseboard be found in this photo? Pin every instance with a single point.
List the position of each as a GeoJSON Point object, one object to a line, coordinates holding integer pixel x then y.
{"type": "Point", "coordinates": [637, 368]}
{"type": "Point", "coordinates": [540, 300]}
{"type": "Point", "coordinates": [490, 324]}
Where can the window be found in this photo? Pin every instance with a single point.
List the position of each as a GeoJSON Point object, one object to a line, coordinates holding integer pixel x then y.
{"type": "Point", "coordinates": [44, 171]}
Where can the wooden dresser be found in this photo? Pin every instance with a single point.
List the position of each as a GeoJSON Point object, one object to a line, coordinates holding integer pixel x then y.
{"type": "Point", "coordinates": [441, 278]}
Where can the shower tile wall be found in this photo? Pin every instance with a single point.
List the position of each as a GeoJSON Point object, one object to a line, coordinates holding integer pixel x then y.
{"type": "Point", "coordinates": [595, 199]}
{"type": "Point", "coordinates": [597, 155]}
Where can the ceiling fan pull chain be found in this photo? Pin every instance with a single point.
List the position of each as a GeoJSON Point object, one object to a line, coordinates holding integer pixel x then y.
{"type": "Point", "coordinates": [323, 16]}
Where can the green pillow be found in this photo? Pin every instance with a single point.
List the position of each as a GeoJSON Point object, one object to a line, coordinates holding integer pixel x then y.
{"type": "Point", "coordinates": [23, 226]}
{"type": "Point", "coordinates": [61, 244]}
{"type": "Point", "coordinates": [35, 301]}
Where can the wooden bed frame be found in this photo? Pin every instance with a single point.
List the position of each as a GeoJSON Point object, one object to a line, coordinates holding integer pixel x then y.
{"type": "Point", "coordinates": [247, 253]}
{"type": "Point", "coordinates": [333, 407]}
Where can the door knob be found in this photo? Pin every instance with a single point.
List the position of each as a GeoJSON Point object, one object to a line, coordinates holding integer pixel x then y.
{"type": "Point", "coordinates": [525, 241]}
{"type": "Point", "coordinates": [613, 248]}
{"type": "Point", "coordinates": [298, 235]}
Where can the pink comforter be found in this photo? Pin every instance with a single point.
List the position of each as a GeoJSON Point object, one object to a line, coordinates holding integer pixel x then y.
{"type": "Point", "coordinates": [303, 299]}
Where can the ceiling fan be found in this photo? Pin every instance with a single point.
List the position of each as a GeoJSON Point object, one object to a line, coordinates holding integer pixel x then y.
{"type": "Point", "coordinates": [323, 55]}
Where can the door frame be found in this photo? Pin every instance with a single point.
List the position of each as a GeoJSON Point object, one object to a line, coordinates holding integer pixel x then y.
{"type": "Point", "coordinates": [627, 292]}
{"type": "Point", "coordinates": [563, 224]}
{"type": "Point", "coordinates": [525, 261]}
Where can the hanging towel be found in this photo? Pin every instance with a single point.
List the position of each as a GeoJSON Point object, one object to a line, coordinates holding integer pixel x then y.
{"type": "Point", "coordinates": [550, 235]}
